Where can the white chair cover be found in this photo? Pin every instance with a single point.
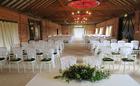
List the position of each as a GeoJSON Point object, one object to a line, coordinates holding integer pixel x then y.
{"type": "Point", "coordinates": [114, 47]}
{"type": "Point", "coordinates": [125, 51]}
{"type": "Point", "coordinates": [135, 44]}
{"type": "Point", "coordinates": [68, 61]}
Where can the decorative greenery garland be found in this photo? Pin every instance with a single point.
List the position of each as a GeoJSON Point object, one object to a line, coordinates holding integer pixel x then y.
{"type": "Point", "coordinates": [83, 72]}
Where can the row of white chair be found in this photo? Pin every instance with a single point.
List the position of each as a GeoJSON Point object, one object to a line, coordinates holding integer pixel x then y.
{"type": "Point", "coordinates": [115, 46]}
{"type": "Point", "coordinates": [100, 61]}
{"type": "Point", "coordinates": [29, 53]}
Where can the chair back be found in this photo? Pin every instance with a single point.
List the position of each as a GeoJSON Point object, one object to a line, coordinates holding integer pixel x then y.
{"type": "Point", "coordinates": [17, 51]}
{"type": "Point", "coordinates": [114, 47]}
{"type": "Point", "coordinates": [125, 51]}
{"type": "Point", "coordinates": [3, 52]}
{"type": "Point", "coordinates": [135, 44]}
{"type": "Point", "coordinates": [67, 61]}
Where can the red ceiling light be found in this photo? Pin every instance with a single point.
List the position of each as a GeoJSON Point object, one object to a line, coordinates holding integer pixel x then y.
{"type": "Point", "coordinates": [84, 4]}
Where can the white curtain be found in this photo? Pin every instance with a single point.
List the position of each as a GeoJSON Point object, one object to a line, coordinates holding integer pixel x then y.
{"type": "Point", "coordinates": [8, 34]}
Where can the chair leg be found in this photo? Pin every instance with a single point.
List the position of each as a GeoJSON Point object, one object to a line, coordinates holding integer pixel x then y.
{"type": "Point", "coordinates": [49, 67]}
{"type": "Point", "coordinates": [18, 66]}
{"type": "Point", "coordinates": [24, 67]}
{"type": "Point", "coordinates": [113, 66]}
{"type": "Point", "coordinates": [124, 67]}
{"type": "Point", "coordinates": [33, 67]}
{"type": "Point", "coordinates": [9, 67]}
{"type": "Point", "coordinates": [41, 67]}
{"type": "Point", "coordinates": [134, 66]}
{"type": "Point", "coordinates": [1, 67]}
{"type": "Point", "coordinates": [119, 66]}
{"type": "Point", "coordinates": [129, 67]}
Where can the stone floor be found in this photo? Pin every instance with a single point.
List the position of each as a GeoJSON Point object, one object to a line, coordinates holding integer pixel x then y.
{"type": "Point", "coordinates": [77, 49]}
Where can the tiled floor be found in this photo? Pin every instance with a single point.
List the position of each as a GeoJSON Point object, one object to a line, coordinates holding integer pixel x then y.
{"type": "Point", "coordinates": [78, 50]}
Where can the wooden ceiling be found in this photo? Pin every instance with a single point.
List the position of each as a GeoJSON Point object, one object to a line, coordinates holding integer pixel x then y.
{"type": "Point", "coordinates": [58, 11]}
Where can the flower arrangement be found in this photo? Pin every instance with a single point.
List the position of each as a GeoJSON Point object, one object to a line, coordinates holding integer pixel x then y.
{"type": "Point", "coordinates": [83, 72]}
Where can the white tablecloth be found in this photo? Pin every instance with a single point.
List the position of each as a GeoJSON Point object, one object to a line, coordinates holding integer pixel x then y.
{"type": "Point", "coordinates": [47, 79]}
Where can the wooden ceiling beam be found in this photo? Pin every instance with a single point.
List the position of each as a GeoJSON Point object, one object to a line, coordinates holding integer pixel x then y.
{"type": "Point", "coordinates": [62, 4]}
{"type": "Point", "coordinates": [4, 2]}
{"type": "Point", "coordinates": [46, 1]}
{"type": "Point", "coordinates": [32, 4]}
{"type": "Point", "coordinates": [129, 3]}
{"type": "Point", "coordinates": [38, 4]}
{"type": "Point", "coordinates": [126, 5]}
{"type": "Point", "coordinates": [116, 4]}
{"type": "Point", "coordinates": [32, 1]}
{"type": "Point", "coordinates": [17, 3]}
{"type": "Point", "coordinates": [46, 5]}
{"type": "Point", "coordinates": [22, 4]}
{"type": "Point", "coordinates": [10, 3]}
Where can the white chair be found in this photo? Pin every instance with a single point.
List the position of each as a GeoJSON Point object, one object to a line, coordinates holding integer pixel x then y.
{"type": "Point", "coordinates": [44, 60]}
{"type": "Point", "coordinates": [66, 62]}
{"type": "Point", "coordinates": [115, 47]}
{"type": "Point", "coordinates": [127, 57]}
{"type": "Point", "coordinates": [135, 44]}
{"type": "Point", "coordinates": [24, 45]}
{"type": "Point", "coordinates": [113, 40]}
{"type": "Point", "coordinates": [3, 56]}
{"type": "Point", "coordinates": [30, 58]}
{"type": "Point", "coordinates": [72, 60]}
{"type": "Point", "coordinates": [106, 43]}
{"type": "Point", "coordinates": [94, 45]}
{"type": "Point", "coordinates": [128, 45]}
{"type": "Point", "coordinates": [107, 57]}
{"type": "Point", "coordinates": [115, 52]}
{"type": "Point", "coordinates": [50, 51]}
{"type": "Point", "coordinates": [92, 61]}
{"type": "Point", "coordinates": [15, 57]}
{"type": "Point", "coordinates": [121, 43]}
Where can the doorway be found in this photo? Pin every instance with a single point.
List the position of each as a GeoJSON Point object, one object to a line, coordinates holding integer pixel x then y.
{"type": "Point", "coordinates": [78, 33]}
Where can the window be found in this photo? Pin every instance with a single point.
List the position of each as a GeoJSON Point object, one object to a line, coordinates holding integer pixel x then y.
{"type": "Point", "coordinates": [101, 31]}
{"type": "Point", "coordinates": [108, 31]}
{"type": "Point", "coordinates": [78, 32]}
{"type": "Point", "coordinates": [96, 30]}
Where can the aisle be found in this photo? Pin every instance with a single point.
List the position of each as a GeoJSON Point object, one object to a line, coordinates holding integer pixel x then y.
{"type": "Point", "coordinates": [77, 48]}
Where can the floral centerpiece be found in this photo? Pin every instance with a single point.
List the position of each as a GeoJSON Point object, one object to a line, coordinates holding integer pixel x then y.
{"type": "Point", "coordinates": [83, 72]}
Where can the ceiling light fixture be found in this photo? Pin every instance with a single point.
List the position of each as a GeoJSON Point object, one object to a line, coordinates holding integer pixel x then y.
{"type": "Point", "coordinates": [83, 4]}
{"type": "Point", "coordinates": [81, 16]}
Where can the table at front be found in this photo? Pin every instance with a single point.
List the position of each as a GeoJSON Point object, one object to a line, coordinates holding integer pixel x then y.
{"type": "Point", "coordinates": [47, 79]}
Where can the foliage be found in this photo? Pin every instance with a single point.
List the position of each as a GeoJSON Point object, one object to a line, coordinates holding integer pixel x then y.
{"type": "Point", "coordinates": [83, 72]}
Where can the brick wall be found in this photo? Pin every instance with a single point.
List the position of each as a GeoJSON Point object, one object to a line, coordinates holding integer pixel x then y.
{"type": "Point", "coordinates": [50, 29]}
{"type": "Point", "coordinates": [137, 25]}
{"type": "Point", "coordinates": [6, 14]}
